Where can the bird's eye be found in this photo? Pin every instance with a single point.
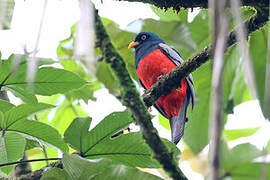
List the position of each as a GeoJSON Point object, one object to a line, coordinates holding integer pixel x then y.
{"type": "Point", "coordinates": [143, 37]}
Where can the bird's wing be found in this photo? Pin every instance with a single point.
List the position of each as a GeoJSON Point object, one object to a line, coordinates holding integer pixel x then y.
{"type": "Point", "coordinates": [175, 57]}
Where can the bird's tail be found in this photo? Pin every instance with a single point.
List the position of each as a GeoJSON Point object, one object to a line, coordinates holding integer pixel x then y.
{"type": "Point", "coordinates": [178, 122]}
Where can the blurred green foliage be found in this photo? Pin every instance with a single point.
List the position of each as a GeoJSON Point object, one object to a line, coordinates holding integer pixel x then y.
{"type": "Point", "coordinates": [63, 125]}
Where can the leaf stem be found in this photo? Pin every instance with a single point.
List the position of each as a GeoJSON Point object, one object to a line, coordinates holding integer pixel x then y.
{"type": "Point", "coordinates": [30, 160]}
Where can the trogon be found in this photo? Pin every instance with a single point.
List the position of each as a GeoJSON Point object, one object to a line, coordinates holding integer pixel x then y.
{"type": "Point", "coordinates": [153, 59]}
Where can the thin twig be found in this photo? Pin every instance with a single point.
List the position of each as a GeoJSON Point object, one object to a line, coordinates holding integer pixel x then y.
{"type": "Point", "coordinates": [32, 64]}
{"type": "Point", "coordinates": [220, 28]}
{"type": "Point", "coordinates": [42, 146]}
{"type": "Point", "coordinates": [27, 161]}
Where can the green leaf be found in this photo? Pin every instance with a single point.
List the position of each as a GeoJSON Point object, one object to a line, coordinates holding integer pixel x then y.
{"type": "Point", "coordinates": [5, 106]}
{"type": "Point", "coordinates": [105, 75]}
{"type": "Point", "coordinates": [85, 92]}
{"type": "Point", "coordinates": [64, 115]}
{"type": "Point", "coordinates": [105, 129]}
{"type": "Point", "coordinates": [76, 131]}
{"type": "Point", "coordinates": [15, 67]}
{"type": "Point", "coordinates": [168, 14]}
{"type": "Point", "coordinates": [2, 119]}
{"type": "Point", "coordinates": [38, 130]}
{"type": "Point", "coordinates": [258, 51]}
{"type": "Point", "coordinates": [196, 130]}
{"type": "Point", "coordinates": [241, 92]}
{"type": "Point", "coordinates": [128, 149]}
{"type": "Point", "coordinates": [233, 134]}
{"type": "Point", "coordinates": [22, 111]}
{"type": "Point", "coordinates": [74, 165]}
{"type": "Point", "coordinates": [199, 32]}
{"type": "Point", "coordinates": [38, 153]}
{"type": "Point", "coordinates": [239, 155]}
{"type": "Point", "coordinates": [120, 40]}
{"type": "Point", "coordinates": [55, 174]}
{"type": "Point", "coordinates": [103, 169]}
{"type": "Point", "coordinates": [30, 144]}
{"type": "Point", "coordinates": [24, 95]}
{"type": "Point", "coordinates": [164, 121]}
{"type": "Point", "coordinates": [11, 149]}
{"type": "Point", "coordinates": [250, 171]}
{"type": "Point", "coordinates": [48, 81]}
{"type": "Point", "coordinates": [176, 34]}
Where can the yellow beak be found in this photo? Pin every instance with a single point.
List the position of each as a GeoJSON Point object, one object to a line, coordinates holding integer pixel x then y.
{"type": "Point", "coordinates": [133, 44]}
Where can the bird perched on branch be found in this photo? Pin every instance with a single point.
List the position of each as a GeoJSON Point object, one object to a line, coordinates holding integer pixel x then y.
{"type": "Point", "coordinates": [153, 59]}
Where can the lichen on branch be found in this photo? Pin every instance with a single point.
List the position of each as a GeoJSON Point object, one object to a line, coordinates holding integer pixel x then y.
{"type": "Point", "coordinates": [177, 4]}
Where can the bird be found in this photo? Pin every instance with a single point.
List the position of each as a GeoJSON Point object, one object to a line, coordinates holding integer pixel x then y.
{"type": "Point", "coordinates": [154, 59]}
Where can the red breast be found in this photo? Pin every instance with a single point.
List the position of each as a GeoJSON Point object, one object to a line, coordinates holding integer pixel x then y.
{"type": "Point", "coordinates": [150, 69]}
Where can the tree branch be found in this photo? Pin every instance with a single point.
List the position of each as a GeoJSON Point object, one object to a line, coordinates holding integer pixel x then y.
{"type": "Point", "coordinates": [131, 99]}
{"type": "Point", "coordinates": [173, 79]}
{"type": "Point", "coordinates": [177, 4]}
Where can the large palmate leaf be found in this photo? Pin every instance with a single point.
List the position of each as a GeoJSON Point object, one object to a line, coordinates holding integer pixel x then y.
{"type": "Point", "coordinates": [15, 67]}
{"type": "Point", "coordinates": [129, 149]}
{"type": "Point", "coordinates": [11, 149]}
{"type": "Point", "coordinates": [106, 128]}
{"type": "Point", "coordinates": [78, 168]}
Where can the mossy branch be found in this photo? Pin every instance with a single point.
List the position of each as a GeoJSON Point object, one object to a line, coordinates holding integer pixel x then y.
{"type": "Point", "coordinates": [173, 79]}
{"type": "Point", "coordinates": [131, 98]}
{"type": "Point", "coordinates": [177, 4]}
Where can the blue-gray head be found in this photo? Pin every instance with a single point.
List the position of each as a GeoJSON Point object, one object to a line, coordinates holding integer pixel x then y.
{"type": "Point", "coordinates": [145, 38]}
{"type": "Point", "coordinates": [144, 43]}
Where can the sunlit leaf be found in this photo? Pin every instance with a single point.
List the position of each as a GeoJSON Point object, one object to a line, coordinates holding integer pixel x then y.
{"type": "Point", "coordinates": [233, 134]}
